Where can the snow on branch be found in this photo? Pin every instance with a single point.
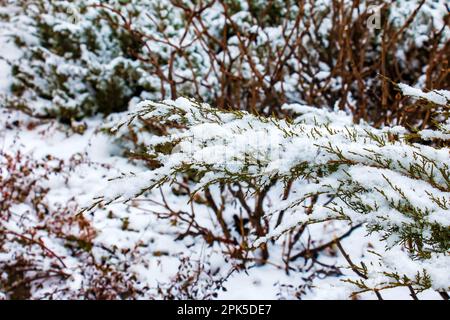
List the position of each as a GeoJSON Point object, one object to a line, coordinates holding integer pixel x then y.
{"type": "Point", "coordinates": [358, 173]}
{"type": "Point", "coordinates": [439, 97]}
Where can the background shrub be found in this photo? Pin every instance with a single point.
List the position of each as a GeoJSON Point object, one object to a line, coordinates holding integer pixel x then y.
{"type": "Point", "coordinates": [88, 57]}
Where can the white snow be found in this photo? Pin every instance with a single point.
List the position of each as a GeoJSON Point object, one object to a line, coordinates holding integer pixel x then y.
{"type": "Point", "coordinates": [127, 231]}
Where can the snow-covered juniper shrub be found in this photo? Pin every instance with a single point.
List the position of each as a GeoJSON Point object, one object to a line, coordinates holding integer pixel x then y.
{"type": "Point", "coordinates": [83, 57]}
{"type": "Point", "coordinates": [75, 62]}
{"type": "Point", "coordinates": [324, 167]}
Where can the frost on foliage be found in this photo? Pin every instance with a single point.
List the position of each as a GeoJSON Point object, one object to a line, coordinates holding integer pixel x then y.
{"type": "Point", "coordinates": [359, 173]}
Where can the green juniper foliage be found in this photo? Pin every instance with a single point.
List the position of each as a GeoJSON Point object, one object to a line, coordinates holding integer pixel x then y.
{"type": "Point", "coordinates": [357, 173]}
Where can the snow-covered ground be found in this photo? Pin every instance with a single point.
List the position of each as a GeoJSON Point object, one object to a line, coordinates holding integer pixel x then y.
{"type": "Point", "coordinates": [131, 235]}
